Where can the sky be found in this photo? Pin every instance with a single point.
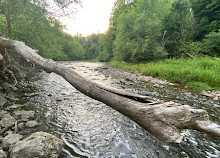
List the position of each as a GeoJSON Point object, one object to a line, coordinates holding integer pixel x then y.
{"type": "Point", "coordinates": [93, 17]}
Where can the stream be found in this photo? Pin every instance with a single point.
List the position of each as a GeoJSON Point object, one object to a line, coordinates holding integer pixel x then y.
{"type": "Point", "coordinates": [89, 128]}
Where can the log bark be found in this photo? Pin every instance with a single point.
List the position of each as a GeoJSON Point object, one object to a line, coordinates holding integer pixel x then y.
{"type": "Point", "coordinates": [163, 120]}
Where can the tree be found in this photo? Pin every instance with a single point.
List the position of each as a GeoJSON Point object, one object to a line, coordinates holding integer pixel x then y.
{"type": "Point", "coordinates": [206, 13]}
{"type": "Point", "coordinates": [30, 21]}
{"type": "Point", "coordinates": [9, 8]}
{"type": "Point", "coordinates": [72, 48]}
{"type": "Point", "coordinates": [211, 43]}
{"type": "Point", "coordinates": [179, 27]}
{"type": "Point", "coordinates": [163, 120]}
{"type": "Point", "coordinates": [139, 31]}
{"type": "Point", "coordinates": [106, 44]}
{"type": "Point", "coordinates": [92, 46]}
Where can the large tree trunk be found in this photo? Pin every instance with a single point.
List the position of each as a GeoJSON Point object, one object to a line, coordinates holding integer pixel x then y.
{"type": "Point", "coordinates": [164, 120]}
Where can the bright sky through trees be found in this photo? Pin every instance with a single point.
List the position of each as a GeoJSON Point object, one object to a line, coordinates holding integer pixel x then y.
{"type": "Point", "coordinates": [93, 17]}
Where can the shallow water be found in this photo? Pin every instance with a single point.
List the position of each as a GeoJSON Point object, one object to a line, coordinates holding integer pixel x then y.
{"type": "Point", "coordinates": [91, 129]}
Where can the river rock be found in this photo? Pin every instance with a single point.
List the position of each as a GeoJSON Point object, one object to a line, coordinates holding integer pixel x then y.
{"type": "Point", "coordinates": [216, 98]}
{"type": "Point", "coordinates": [32, 124]}
{"type": "Point", "coordinates": [7, 121]}
{"type": "Point", "coordinates": [21, 125]}
{"type": "Point", "coordinates": [39, 144]}
{"type": "Point", "coordinates": [24, 114]}
{"type": "Point", "coordinates": [11, 139]}
{"type": "Point", "coordinates": [2, 100]}
{"type": "Point", "coordinates": [8, 133]}
{"type": "Point", "coordinates": [3, 154]}
{"type": "Point", "coordinates": [14, 106]}
{"type": "Point", "coordinates": [207, 94]}
{"type": "Point", "coordinates": [2, 113]}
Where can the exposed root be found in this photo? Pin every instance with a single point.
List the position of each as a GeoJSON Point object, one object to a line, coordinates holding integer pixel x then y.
{"type": "Point", "coordinates": [7, 66]}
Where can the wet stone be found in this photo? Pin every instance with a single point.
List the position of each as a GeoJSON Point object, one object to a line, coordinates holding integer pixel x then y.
{"type": "Point", "coordinates": [30, 94]}
{"type": "Point", "coordinates": [39, 145]}
{"type": "Point", "coordinates": [11, 139]}
{"type": "Point", "coordinates": [2, 113]}
{"type": "Point", "coordinates": [215, 98]}
{"type": "Point", "coordinates": [8, 133]}
{"type": "Point", "coordinates": [7, 121]}
{"type": "Point", "coordinates": [207, 94]}
{"type": "Point", "coordinates": [14, 106]}
{"type": "Point", "coordinates": [21, 125]}
{"type": "Point", "coordinates": [24, 114]}
{"type": "Point", "coordinates": [32, 124]}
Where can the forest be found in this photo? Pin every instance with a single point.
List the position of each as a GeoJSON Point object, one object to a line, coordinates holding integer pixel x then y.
{"type": "Point", "coordinates": [143, 30]}
{"type": "Point", "coordinates": [140, 31]}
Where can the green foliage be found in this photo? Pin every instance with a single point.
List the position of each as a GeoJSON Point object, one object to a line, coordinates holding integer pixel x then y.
{"type": "Point", "coordinates": [105, 44]}
{"type": "Point", "coordinates": [207, 13]}
{"type": "Point", "coordinates": [212, 43]}
{"type": "Point", "coordinates": [2, 24]}
{"type": "Point", "coordinates": [138, 31]}
{"type": "Point", "coordinates": [30, 23]}
{"type": "Point", "coordinates": [92, 46]}
{"type": "Point", "coordinates": [200, 72]}
{"type": "Point", "coordinates": [199, 86]}
{"type": "Point", "coordinates": [72, 48]}
{"type": "Point", "coordinates": [178, 25]}
{"type": "Point", "coordinates": [191, 48]}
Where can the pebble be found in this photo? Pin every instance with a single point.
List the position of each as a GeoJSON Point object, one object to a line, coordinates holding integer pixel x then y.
{"type": "Point", "coordinates": [215, 98]}
{"type": "Point", "coordinates": [21, 125]}
{"type": "Point", "coordinates": [7, 121]}
{"type": "Point", "coordinates": [32, 124]}
{"type": "Point", "coordinates": [11, 139]}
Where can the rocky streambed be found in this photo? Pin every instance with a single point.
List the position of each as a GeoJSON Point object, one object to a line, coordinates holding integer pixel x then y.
{"type": "Point", "coordinates": [17, 126]}
{"type": "Point", "coordinates": [49, 108]}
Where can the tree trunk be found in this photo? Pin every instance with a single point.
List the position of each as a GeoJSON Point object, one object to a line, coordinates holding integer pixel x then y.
{"type": "Point", "coordinates": [164, 120]}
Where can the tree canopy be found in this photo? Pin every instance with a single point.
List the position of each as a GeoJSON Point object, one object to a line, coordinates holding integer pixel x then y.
{"type": "Point", "coordinates": [143, 30]}
{"type": "Point", "coordinates": [33, 22]}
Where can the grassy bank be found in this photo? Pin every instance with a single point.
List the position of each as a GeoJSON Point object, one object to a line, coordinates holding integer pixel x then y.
{"type": "Point", "coordinates": [198, 73]}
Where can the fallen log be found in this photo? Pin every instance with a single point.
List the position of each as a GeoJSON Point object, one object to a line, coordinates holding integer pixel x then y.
{"type": "Point", "coordinates": [164, 120]}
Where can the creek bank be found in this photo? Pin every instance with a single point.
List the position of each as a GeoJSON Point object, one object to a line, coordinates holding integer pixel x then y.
{"type": "Point", "coordinates": [16, 137]}
{"type": "Point", "coordinates": [127, 78]}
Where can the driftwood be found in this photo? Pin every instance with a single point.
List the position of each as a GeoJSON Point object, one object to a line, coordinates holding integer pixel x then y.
{"type": "Point", "coordinates": [163, 120]}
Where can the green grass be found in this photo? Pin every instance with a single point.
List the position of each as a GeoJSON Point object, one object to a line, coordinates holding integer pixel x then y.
{"type": "Point", "coordinates": [199, 73]}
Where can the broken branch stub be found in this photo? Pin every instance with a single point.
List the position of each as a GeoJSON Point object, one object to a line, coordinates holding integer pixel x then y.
{"type": "Point", "coordinates": [164, 120]}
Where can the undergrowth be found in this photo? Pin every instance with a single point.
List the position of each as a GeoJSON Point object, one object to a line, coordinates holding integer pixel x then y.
{"type": "Point", "coordinates": [199, 73]}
